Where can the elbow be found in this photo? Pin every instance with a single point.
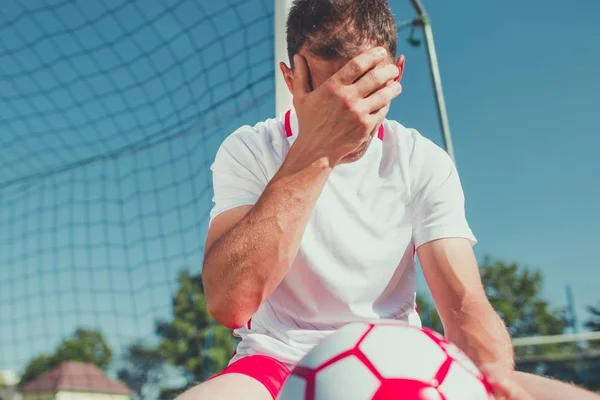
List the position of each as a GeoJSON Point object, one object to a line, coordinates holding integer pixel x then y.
{"type": "Point", "coordinates": [229, 311]}
{"type": "Point", "coordinates": [231, 305]}
{"type": "Point", "coordinates": [227, 316]}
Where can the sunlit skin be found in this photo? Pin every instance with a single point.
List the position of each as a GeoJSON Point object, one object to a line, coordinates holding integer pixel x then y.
{"type": "Point", "coordinates": [321, 70]}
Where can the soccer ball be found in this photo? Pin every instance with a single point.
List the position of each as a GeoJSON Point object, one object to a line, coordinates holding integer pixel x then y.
{"type": "Point", "coordinates": [383, 361]}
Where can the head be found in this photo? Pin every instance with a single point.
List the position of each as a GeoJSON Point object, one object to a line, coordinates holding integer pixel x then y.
{"type": "Point", "coordinates": [329, 33]}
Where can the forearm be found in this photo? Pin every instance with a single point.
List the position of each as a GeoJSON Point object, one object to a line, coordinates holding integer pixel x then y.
{"type": "Point", "coordinates": [543, 388]}
{"type": "Point", "coordinates": [246, 264]}
{"type": "Point", "coordinates": [469, 320]}
{"type": "Point", "coordinates": [481, 334]}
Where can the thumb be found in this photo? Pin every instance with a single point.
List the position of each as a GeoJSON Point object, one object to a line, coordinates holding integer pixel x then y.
{"type": "Point", "coordinates": [301, 84]}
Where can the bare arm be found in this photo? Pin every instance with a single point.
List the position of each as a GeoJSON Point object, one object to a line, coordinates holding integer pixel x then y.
{"type": "Point", "coordinates": [452, 274]}
{"type": "Point", "coordinates": [444, 245]}
{"type": "Point", "coordinates": [250, 250]}
{"type": "Point", "coordinates": [543, 388]}
{"type": "Point", "coordinates": [470, 322]}
{"type": "Point", "coordinates": [443, 241]}
{"type": "Point", "coordinates": [244, 266]}
{"type": "Point", "coordinates": [524, 386]}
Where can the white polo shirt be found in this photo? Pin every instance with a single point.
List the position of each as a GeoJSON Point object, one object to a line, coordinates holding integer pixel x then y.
{"type": "Point", "coordinates": [356, 260]}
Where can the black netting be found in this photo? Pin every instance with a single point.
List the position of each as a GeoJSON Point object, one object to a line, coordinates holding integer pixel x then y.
{"type": "Point", "coordinates": [110, 115]}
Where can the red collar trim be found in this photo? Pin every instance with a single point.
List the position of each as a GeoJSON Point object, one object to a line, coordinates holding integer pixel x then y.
{"type": "Point", "coordinates": [288, 123]}
{"type": "Point", "coordinates": [380, 132]}
{"type": "Point", "coordinates": [288, 126]}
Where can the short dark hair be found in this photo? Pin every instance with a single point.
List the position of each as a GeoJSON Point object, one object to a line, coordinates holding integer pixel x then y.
{"type": "Point", "coordinates": [340, 28]}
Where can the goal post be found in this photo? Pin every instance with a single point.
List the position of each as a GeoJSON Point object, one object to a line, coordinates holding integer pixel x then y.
{"type": "Point", "coordinates": [283, 98]}
{"type": "Point", "coordinates": [554, 339]}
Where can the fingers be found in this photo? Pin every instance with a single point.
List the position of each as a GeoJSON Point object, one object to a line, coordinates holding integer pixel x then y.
{"type": "Point", "coordinates": [301, 77]}
{"type": "Point", "coordinates": [503, 387]}
{"type": "Point", "coordinates": [375, 79]}
{"type": "Point", "coordinates": [382, 97]}
{"type": "Point", "coordinates": [359, 65]}
{"type": "Point", "coordinates": [378, 116]}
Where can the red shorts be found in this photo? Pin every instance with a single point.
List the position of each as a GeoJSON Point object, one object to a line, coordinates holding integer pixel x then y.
{"type": "Point", "coordinates": [268, 371]}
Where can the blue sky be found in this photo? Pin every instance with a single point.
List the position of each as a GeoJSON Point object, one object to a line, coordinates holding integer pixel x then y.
{"type": "Point", "coordinates": [522, 93]}
{"type": "Point", "coordinates": [154, 90]}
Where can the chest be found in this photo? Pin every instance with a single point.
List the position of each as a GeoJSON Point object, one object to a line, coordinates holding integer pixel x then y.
{"type": "Point", "coordinates": [362, 217]}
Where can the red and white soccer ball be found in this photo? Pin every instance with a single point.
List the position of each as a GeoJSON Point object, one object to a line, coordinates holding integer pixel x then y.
{"type": "Point", "coordinates": [384, 361]}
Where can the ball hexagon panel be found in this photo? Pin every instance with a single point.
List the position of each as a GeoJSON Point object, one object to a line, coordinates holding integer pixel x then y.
{"type": "Point", "coordinates": [354, 376]}
{"type": "Point", "coordinates": [344, 340]}
{"type": "Point", "coordinates": [460, 383]}
{"type": "Point", "coordinates": [404, 356]}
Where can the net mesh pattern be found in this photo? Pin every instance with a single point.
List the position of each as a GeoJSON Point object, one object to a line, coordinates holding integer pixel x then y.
{"type": "Point", "coordinates": [110, 116]}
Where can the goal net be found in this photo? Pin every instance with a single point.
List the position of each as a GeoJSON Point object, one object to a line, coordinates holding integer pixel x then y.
{"type": "Point", "coordinates": [110, 116]}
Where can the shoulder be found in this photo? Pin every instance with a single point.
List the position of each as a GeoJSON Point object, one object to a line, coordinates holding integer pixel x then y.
{"type": "Point", "coordinates": [254, 148]}
{"type": "Point", "coordinates": [254, 137]}
{"type": "Point", "coordinates": [412, 149]}
{"type": "Point", "coordinates": [424, 164]}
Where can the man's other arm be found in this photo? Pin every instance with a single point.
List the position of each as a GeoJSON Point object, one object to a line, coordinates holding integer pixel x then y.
{"type": "Point", "coordinates": [444, 243]}
{"type": "Point", "coordinates": [444, 246]}
{"type": "Point", "coordinates": [452, 274]}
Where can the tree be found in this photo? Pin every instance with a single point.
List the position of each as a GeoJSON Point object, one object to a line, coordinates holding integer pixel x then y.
{"type": "Point", "coordinates": [192, 340]}
{"type": "Point", "coordinates": [86, 346]}
{"type": "Point", "coordinates": [168, 393]}
{"type": "Point", "coordinates": [143, 366]}
{"type": "Point", "coordinates": [515, 293]}
{"type": "Point", "coordinates": [594, 322]}
{"type": "Point", "coordinates": [429, 315]}
{"type": "Point", "coordinates": [37, 367]}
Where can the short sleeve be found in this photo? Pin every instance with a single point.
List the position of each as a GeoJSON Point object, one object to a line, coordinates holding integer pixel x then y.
{"type": "Point", "coordinates": [238, 178]}
{"type": "Point", "coordinates": [437, 202]}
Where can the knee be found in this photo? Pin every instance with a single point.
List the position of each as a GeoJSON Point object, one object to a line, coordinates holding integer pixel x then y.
{"type": "Point", "coordinates": [193, 393]}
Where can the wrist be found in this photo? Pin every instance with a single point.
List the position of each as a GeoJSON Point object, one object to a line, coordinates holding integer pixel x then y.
{"type": "Point", "coordinates": [304, 155]}
{"type": "Point", "coordinates": [482, 345]}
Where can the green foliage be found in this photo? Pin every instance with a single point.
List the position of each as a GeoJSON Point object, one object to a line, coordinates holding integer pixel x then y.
{"type": "Point", "coordinates": [168, 393]}
{"type": "Point", "coordinates": [192, 340]}
{"type": "Point", "coordinates": [143, 366]}
{"type": "Point", "coordinates": [429, 315]}
{"type": "Point", "coordinates": [37, 367]}
{"type": "Point", "coordinates": [515, 293]}
{"type": "Point", "coordinates": [86, 346]}
{"type": "Point", "coordinates": [594, 322]}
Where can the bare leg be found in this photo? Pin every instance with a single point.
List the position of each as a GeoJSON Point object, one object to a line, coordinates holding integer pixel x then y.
{"type": "Point", "coordinates": [542, 388]}
{"type": "Point", "coordinates": [228, 387]}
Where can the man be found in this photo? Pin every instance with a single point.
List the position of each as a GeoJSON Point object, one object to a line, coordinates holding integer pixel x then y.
{"type": "Point", "coordinates": [319, 214]}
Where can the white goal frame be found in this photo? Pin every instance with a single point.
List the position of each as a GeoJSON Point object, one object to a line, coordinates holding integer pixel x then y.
{"type": "Point", "coordinates": [283, 97]}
